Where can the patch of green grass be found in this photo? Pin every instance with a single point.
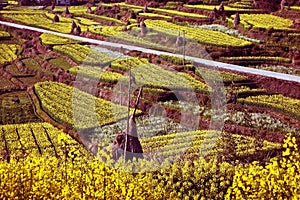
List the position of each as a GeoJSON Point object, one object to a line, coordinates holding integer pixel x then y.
{"type": "Point", "coordinates": [61, 63]}
{"type": "Point", "coordinates": [6, 84]}
{"type": "Point", "coordinates": [32, 64]}
{"type": "Point", "coordinates": [17, 108]}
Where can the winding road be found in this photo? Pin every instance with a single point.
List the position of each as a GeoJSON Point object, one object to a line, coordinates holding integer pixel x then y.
{"type": "Point", "coordinates": [238, 68]}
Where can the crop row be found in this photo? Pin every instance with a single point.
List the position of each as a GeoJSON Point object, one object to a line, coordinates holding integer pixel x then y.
{"type": "Point", "coordinates": [211, 8]}
{"type": "Point", "coordinates": [202, 36]}
{"type": "Point", "coordinates": [76, 108]}
{"type": "Point", "coordinates": [226, 77]}
{"type": "Point", "coordinates": [195, 143]}
{"type": "Point", "coordinates": [96, 73]}
{"type": "Point", "coordinates": [258, 58]}
{"type": "Point", "coordinates": [8, 52]}
{"type": "Point", "coordinates": [40, 20]}
{"type": "Point", "coordinates": [177, 13]}
{"type": "Point", "coordinates": [147, 126]}
{"type": "Point", "coordinates": [27, 11]}
{"type": "Point", "coordinates": [21, 140]}
{"type": "Point", "coordinates": [50, 39]}
{"type": "Point", "coordinates": [125, 64]}
{"type": "Point", "coordinates": [73, 9]}
{"type": "Point", "coordinates": [244, 90]}
{"type": "Point", "coordinates": [107, 31]}
{"type": "Point", "coordinates": [242, 4]}
{"type": "Point", "coordinates": [224, 29]}
{"type": "Point", "coordinates": [295, 8]}
{"type": "Point", "coordinates": [83, 54]}
{"type": "Point", "coordinates": [154, 15]}
{"type": "Point", "coordinates": [165, 11]}
{"type": "Point", "coordinates": [247, 119]}
{"type": "Point", "coordinates": [4, 34]}
{"type": "Point", "coordinates": [102, 17]}
{"type": "Point", "coordinates": [278, 68]}
{"type": "Point", "coordinates": [85, 21]}
{"type": "Point", "coordinates": [142, 41]}
{"type": "Point", "coordinates": [155, 76]}
{"type": "Point", "coordinates": [278, 102]}
{"type": "Point", "coordinates": [116, 34]}
{"type": "Point", "coordinates": [266, 21]}
{"type": "Point", "coordinates": [174, 60]}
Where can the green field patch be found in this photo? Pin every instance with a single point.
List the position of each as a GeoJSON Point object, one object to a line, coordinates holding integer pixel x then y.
{"type": "Point", "coordinates": [154, 76]}
{"type": "Point", "coordinates": [211, 8]}
{"type": "Point", "coordinates": [107, 31]}
{"type": "Point", "coordinates": [178, 13]}
{"type": "Point", "coordinates": [165, 11]}
{"type": "Point", "coordinates": [60, 63]}
{"type": "Point", "coordinates": [202, 36]}
{"type": "Point", "coordinates": [6, 84]}
{"type": "Point", "coordinates": [21, 10]}
{"type": "Point", "coordinates": [83, 54]}
{"type": "Point", "coordinates": [17, 107]}
{"type": "Point", "coordinates": [77, 10]}
{"type": "Point", "coordinates": [14, 71]}
{"type": "Point", "coordinates": [105, 18]}
{"type": "Point", "coordinates": [85, 21]}
{"type": "Point", "coordinates": [226, 77]}
{"type": "Point", "coordinates": [33, 65]}
{"type": "Point", "coordinates": [154, 15]}
{"type": "Point", "coordinates": [69, 105]}
{"type": "Point", "coordinates": [29, 80]}
{"type": "Point", "coordinates": [242, 5]}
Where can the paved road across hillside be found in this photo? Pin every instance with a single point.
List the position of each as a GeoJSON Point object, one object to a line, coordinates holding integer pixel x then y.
{"type": "Point", "coordinates": [156, 52]}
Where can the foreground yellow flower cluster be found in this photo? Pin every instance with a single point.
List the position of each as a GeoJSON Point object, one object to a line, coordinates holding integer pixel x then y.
{"type": "Point", "coordinates": [71, 173]}
{"type": "Point", "coordinates": [278, 179]}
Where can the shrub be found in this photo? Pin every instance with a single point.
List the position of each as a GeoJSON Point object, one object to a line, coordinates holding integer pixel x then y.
{"type": "Point", "coordinates": [67, 10]}
{"type": "Point", "coordinates": [78, 30]}
{"type": "Point", "coordinates": [56, 18]}
{"type": "Point", "coordinates": [237, 19]}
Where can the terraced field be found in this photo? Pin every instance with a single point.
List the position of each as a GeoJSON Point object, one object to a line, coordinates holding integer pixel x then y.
{"type": "Point", "coordinates": [205, 132]}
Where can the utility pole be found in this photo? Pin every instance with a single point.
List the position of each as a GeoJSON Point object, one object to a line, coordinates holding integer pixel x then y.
{"type": "Point", "coordinates": [128, 116]}
{"type": "Point", "coordinates": [183, 48]}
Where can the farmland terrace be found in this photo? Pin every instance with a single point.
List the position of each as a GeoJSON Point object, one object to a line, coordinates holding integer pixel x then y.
{"type": "Point", "coordinates": [218, 116]}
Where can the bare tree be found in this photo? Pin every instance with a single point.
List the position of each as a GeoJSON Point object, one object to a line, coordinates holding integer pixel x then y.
{"type": "Point", "coordinates": [283, 3]}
